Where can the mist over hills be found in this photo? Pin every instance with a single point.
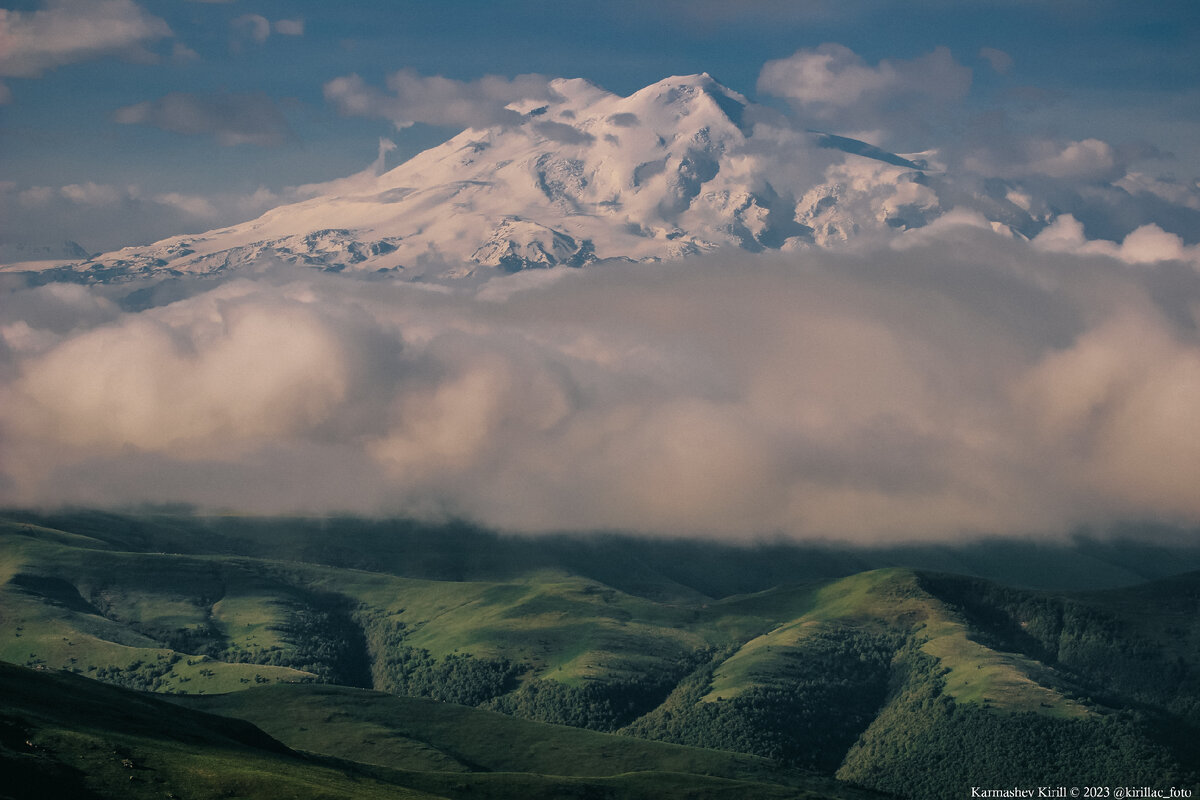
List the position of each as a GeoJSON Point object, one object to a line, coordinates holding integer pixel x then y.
{"type": "Point", "coordinates": [641, 565]}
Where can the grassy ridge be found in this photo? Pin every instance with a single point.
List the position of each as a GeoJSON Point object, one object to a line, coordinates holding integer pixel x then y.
{"type": "Point", "coordinates": [877, 676]}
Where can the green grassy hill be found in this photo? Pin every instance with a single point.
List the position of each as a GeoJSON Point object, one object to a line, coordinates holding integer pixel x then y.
{"type": "Point", "coordinates": [65, 736]}
{"type": "Point", "coordinates": [907, 680]}
{"type": "Point", "coordinates": [423, 735]}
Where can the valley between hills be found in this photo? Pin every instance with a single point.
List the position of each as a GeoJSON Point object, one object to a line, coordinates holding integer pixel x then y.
{"type": "Point", "coordinates": [174, 655]}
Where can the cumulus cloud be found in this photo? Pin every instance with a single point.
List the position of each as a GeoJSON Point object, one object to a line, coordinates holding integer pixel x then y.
{"type": "Point", "coordinates": [966, 383]}
{"type": "Point", "coordinates": [182, 387]}
{"type": "Point", "coordinates": [68, 31]}
{"type": "Point", "coordinates": [832, 85]}
{"type": "Point", "coordinates": [233, 119]}
{"type": "Point", "coordinates": [413, 98]}
{"type": "Point", "coordinates": [1145, 244]}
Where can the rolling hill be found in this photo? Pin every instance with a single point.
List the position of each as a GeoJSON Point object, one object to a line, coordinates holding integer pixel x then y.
{"type": "Point", "coordinates": [904, 679]}
{"type": "Point", "coordinates": [64, 736]}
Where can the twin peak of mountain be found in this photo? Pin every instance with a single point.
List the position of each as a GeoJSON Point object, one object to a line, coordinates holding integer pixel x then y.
{"type": "Point", "coordinates": [683, 166]}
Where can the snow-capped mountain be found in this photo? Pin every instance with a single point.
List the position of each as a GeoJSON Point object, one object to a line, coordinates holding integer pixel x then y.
{"type": "Point", "coordinates": [681, 167]}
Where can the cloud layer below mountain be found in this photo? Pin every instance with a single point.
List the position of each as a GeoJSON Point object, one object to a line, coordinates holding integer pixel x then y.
{"type": "Point", "coordinates": [964, 383]}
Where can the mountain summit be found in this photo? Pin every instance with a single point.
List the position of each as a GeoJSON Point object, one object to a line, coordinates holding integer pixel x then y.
{"type": "Point", "coordinates": [679, 167]}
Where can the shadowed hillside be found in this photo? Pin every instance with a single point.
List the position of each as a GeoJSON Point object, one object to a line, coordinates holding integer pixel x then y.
{"type": "Point", "coordinates": [910, 681]}
{"type": "Point", "coordinates": [64, 736]}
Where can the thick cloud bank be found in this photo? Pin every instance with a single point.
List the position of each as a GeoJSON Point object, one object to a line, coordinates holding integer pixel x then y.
{"type": "Point", "coordinates": [965, 383]}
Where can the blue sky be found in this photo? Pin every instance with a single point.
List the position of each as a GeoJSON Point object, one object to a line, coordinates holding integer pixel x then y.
{"type": "Point", "coordinates": [91, 150]}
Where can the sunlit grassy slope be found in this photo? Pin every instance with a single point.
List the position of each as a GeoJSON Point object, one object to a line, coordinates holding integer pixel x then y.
{"type": "Point", "coordinates": [892, 602]}
{"type": "Point", "coordinates": [792, 654]}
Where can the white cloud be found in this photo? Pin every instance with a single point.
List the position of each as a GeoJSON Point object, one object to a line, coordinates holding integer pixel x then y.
{"type": "Point", "coordinates": [1118, 407]}
{"type": "Point", "coordinates": [289, 27]}
{"type": "Point", "coordinates": [412, 98]}
{"type": "Point", "coordinates": [253, 27]}
{"type": "Point", "coordinates": [95, 194]}
{"type": "Point", "coordinates": [78, 194]}
{"type": "Point", "coordinates": [1149, 243]}
{"type": "Point", "coordinates": [1171, 191]}
{"type": "Point", "coordinates": [107, 216]}
{"type": "Point", "coordinates": [832, 85]}
{"type": "Point", "coordinates": [192, 205]}
{"type": "Point", "coordinates": [182, 54]}
{"type": "Point", "coordinates": [1089, 159]}
{"type": "Point", "coordinates": [109, 195]}
{"type": "Point", "coordinates": [257, 29]}
{"type": "Point", "coordinates": [36, 196]}
{"type": "Point", "coordinates": [69, 31]}
{"type": "Point", "coordinates": [966, 383]}
{"type": "Point", "coordinates": [232, 119]}
{"type": "Point", "coordinates": [1144, 245]}
{"type": "Point", "coordinates": [1073, 163]}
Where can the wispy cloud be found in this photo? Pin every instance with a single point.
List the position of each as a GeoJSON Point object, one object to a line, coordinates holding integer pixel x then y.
{"type": "Point", "coordinates": [232, 119]}
{"type": "Point", "coordinates": [69, 31]}
{"type": "Point", "coordinates": [413, 98]}
{"type": "Point", "coordinates": [256, 29]}
{"type": "Point", "coordinates": [1000, 61]}
{"type": "Point", "coordinates": [181, 53]}
{"type": "Point", "coordinates": [289, 27]}
{"type": "Point", "coordinates": [1086, 160]}
{"type": "Point", "coordinates": [832, 85]}
{"type": "Point", "coordinates": [104, 216]}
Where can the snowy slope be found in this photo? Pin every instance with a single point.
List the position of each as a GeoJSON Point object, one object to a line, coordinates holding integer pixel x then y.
{"type": "Point", "coordinates": [674, 169]}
